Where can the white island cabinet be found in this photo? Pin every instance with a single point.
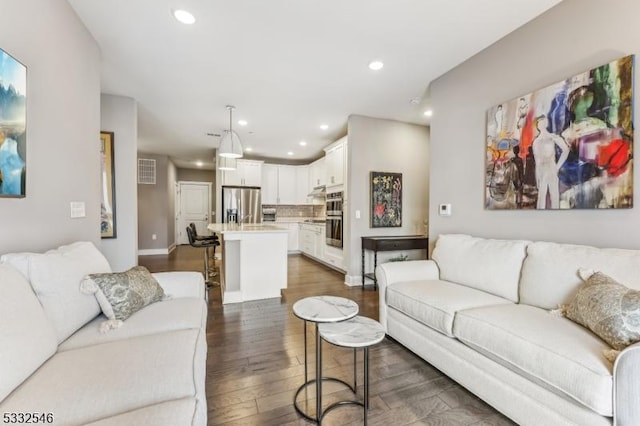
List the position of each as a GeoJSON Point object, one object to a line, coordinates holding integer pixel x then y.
{"type": "Point", "coordinates": [254, 261]}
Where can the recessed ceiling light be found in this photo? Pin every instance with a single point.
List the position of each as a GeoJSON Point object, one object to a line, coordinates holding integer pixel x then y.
{"type": "Point", "coordinates": [428, 113]}
{"type": "Point", "coordinates": [376, 65]}
{"type": "Point", "coordinates": [324, 126]}
{"type": "Point", "coordinates": [248, 149]}
{"type": "Point", "coordinates": [303, 143]}
{"type": "Point", "coordinates": [199, 163]}
{"type": "Point", "coordinates": [242, 122]}
{"type": "Point", "coordinates": [290, 153]}
{"type": "Point", "coordinates": [184, 16]}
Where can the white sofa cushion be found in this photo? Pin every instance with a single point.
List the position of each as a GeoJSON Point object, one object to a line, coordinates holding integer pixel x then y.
{"type": "Point", "coordinates": [101, 381]}
{"type": "Point", "coordinates": [181, 283]}
{"type": "Point", "coordinates": [550, 271]}
{"type": "Point", "coordinates": [20, 261]}
{"type": "Point", "coordinates": [168, 315]}
{"type": "Point", "coordinates": [434, 303]}
{"type": "Point", "coordinates": [550, 350]}
{"type": "Point", "coordinates": [55, 277]}
{"type": "Point", "coordinates": [488, 265]}
{"type": "Point", "coordinates": [26, 337]}
{"type": "Point", "coordinates": [171, 413]}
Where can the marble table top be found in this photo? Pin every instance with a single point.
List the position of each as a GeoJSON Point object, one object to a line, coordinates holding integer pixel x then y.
{"type": "Point", "coordinates": [357, 332]}
{"type": "Point", "coordinates": [325, 309]}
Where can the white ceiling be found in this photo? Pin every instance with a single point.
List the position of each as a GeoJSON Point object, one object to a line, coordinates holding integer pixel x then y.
{"type": "Point", "coordinates": [287, 65]}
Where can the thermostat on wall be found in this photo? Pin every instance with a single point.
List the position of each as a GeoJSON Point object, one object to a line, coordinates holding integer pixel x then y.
{"type": "Point", "coordinates": [444, 210]}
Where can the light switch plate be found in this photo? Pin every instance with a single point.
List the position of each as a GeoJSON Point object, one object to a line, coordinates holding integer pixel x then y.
{"type": "Point", "coordinates": [77, 209]}
{"type": "Point", "coordinates": [357, 214]}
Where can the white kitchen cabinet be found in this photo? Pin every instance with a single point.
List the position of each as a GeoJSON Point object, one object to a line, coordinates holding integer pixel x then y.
{"type": "Point", "coordinates": [247, 173]}
{"type": "Point", "coordinates": [335, 163]}
{"type": "Point", "coordinates": [321, 242]}
{"type": "Point", "coordinates": [269, 184]}
{"type": "Point", "coordinates": [302, 185]}
{"type": "Point", "coordinates": [317, 173]}
{"type": "Point", "coordinates": [293, 237]}
{"type": "Point", "coordinates": [287, 185]}
{"type": "Point", "coordinates": [311, 240]}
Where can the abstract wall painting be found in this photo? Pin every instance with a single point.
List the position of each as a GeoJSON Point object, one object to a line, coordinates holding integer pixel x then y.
{"type": "Point", "coordinates": [13, 125]}
{"type": "Point", "coordinates": [567, 146]}
{"type": "Point", "coordinates": [108, 186]}
{"type": "Point", "coordinates": [386, 200]}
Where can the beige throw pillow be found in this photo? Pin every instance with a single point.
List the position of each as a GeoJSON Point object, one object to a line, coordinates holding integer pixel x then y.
{"type": "Point", "coordinates": [607, 308]}
{"type": "Point", "coordinates": [122, 294]}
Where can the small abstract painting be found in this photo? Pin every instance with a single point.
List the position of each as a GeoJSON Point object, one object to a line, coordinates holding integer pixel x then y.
{"type": "Point", "coordinates": [386, 200]}
{"type": "Point", "coordinates": [567, 146]}
{"type": "Point", "coordinates": [108, 182]}
{"type": "Point", "coordinates": [13, 126]}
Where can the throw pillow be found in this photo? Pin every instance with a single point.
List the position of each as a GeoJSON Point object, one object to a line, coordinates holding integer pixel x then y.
{"type": "Point", "coordinates": [607, 308]}
{"type": "Point", "coordinates": [122, 294]}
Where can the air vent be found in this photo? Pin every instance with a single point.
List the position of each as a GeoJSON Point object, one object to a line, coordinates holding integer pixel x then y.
{"type": "Point", "coordinates": [146, 171]}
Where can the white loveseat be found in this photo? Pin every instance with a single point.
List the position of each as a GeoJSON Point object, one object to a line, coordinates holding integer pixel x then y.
{"type": "Point", "coordinates": [56, 364]}
{"type": "Point", "coordinates": [480, 313]}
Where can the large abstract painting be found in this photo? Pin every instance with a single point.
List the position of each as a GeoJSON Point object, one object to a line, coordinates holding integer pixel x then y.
{"type": "Point", "coordinates": [386, 200]}
{"type": "Point", "coordinates": [567, 146]}
{"type": "Point", "coordinates": [13, 125]}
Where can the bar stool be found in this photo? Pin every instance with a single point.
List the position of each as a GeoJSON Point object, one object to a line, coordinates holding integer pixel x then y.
{"type": "Point", "coordinates": [205, 244]}
{"type": "Point", "coordinates": [358, 332]}
{"type": "Point", "coordinates": [213, 237]}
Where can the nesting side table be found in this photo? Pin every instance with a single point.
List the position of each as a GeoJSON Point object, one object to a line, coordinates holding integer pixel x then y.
{"type": "Point", "coordinates": [359, 332]}
{"type": "Point", "coordinates": [320, 309]}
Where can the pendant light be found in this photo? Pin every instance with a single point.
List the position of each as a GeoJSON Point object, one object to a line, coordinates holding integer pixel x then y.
{"type": "Point", "coordinates": [226, 163]}
{"type": "Point", "coordinates": [230, 145]}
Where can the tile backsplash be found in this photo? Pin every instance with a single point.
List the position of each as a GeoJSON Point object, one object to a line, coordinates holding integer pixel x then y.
{"type": "Point", "coordinates": [298, 210]}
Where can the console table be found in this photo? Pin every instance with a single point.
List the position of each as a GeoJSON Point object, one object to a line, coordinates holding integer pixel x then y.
{"type": "Point", "coordinates": [390, 243]}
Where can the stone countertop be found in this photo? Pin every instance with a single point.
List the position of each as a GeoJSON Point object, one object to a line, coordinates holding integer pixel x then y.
{"type": "Point", "coordinates": [227, 228]}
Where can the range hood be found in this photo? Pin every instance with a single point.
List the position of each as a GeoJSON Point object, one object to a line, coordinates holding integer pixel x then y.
{"type": "Point", "coordinates": [318, 192]}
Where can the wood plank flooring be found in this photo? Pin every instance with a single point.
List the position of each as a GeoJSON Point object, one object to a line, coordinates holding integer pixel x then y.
{"type": "Point", "coordinates": [256, 361]}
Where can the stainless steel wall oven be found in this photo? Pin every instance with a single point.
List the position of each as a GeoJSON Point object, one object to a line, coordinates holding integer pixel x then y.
{"type": "Point", "coordinates": [334, 219]}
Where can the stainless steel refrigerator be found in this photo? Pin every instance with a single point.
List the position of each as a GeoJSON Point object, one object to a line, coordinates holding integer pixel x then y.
{"type": "Point", "coordinates": [241, 204]}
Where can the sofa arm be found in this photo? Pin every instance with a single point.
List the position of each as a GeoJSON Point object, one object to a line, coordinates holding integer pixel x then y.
{"type": "Point", "coordinates": [626, 387]}
{"type": "Point", "coordinates": [391, 273]}
{"type": "Point", "coordinates": [181, 284]}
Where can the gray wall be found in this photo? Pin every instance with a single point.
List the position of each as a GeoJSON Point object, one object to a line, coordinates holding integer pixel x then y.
{"type": "Point", "coordinates": [120, 115]}
{"type": "Point", "coordinates": [573, 37]}
{"type": "Point", "coordinates": [172, 178]}
{"type": "Point", "coordinates": [384, 146]}
{"type": "Point", "coordinates": [63, 125]}
{"type": "Point", "coordinates": [156, 207]}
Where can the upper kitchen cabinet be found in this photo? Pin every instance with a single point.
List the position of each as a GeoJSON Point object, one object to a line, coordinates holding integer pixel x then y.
{"type": "Point", "coordinates": [247, 173]}
{"type": "Point", "coordinates": [317, 173]}
{"type": "Point", "coordinates": [335, 162]}
{"type": "Point", "coordinates": [282, 184]}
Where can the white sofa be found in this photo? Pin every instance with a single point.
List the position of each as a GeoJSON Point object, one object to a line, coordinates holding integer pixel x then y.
{"type": "Point", "coordinates": [55, 361]}
{"type": "Point", "coordinates": [480, 313]}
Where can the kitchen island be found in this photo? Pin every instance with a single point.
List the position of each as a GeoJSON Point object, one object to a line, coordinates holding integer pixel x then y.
{"type": "Point", "coordinates": [254, 261]}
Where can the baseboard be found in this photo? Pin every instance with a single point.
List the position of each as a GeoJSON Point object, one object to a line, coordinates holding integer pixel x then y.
{"type": "Point", "coordinates": [356, 280]}
{"type": "Point", "coordinates": [153, 252]}
{"type": "Point", "coordinates": [172, 247]}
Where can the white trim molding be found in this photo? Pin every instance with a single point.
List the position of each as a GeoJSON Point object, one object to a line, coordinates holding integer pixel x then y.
{"type": "Point", "coordinates": [154, 252]}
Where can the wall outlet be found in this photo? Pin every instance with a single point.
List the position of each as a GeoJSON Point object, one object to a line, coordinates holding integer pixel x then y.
{"type": "Point", "coordinates": [357, 214]}
{"type": "Point", "coordinates": [444, 210]}
{"type": "Point", "coordinates": [154, 237]}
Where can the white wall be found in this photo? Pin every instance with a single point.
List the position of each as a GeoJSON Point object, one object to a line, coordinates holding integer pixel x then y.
{"type": "Point", "coordinates": [119, 115]}
{"type": "Point", "coordinates": [63, 125]}
{"type": "Point", "coordinates": [384, 146]}
{"type": "Point", "coordinates": [573, 37]}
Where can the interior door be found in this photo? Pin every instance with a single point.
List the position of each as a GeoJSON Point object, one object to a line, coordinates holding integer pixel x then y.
{"type": "Point", "coordinates": [195, 205]}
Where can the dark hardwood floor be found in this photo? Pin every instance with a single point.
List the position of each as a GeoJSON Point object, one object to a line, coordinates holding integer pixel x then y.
{"type": "Point", "coordinates": [256, 360]}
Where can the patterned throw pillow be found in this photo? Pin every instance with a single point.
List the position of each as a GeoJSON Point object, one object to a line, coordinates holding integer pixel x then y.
{"type": "Point", "coordinates": [122, 294]}
{"type": "Point", "coordinates": [607, 308]}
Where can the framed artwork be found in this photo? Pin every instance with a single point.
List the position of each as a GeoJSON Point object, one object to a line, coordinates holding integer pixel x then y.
{"type": "Point", "coordinates": [13, 126]}
{"type": "Point", "coordinates": [566, 146]}
{"type": "Point", "coordinates": [386, 200]}
{"type": "Point", "coordinates": [108, 181]}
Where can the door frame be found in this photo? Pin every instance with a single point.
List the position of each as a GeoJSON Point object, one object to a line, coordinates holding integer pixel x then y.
{"type": "Point", "coordinates": [178, 203]}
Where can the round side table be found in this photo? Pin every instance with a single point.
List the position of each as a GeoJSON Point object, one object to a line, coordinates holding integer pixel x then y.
{"type": "Point", "coordinates": [320, 309]}
{"type": "Point", "coordinates": [359, 332]}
